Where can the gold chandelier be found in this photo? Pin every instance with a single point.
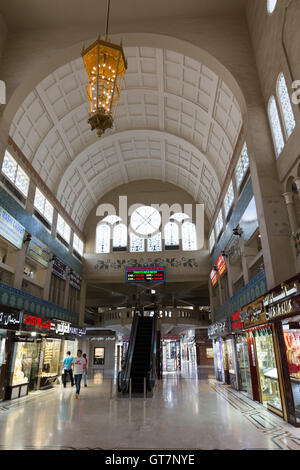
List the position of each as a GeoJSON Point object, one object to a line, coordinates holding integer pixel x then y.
{"type": "Point", "coordinates": [105, 65]}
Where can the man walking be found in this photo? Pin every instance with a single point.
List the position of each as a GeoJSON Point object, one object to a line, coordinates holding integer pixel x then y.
{"type": "Point", "coordinates": [78, 363]}
{"type": "Point", "coordinates": [68, 360]}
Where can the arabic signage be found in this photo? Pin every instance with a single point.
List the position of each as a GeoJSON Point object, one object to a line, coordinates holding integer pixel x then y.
{"type": "Point", "coordinates": [59, 269]}
{"type": "Point", "coordinates": [39, 252]}
{"type": "Point", "coordinates": [213, 277]}
{"type": "Point", "coordinates": [236, 321]}
{"type": "Point", "coordinates": [75, 280]}
{"type": "Point", "coordinates": [218, 328]}
{"type": "Point", "coordinates": [74, 330]}
{"type": "Point", "coordinates": [10, 229]}
{"type": "Point", "coordinates": [10, 318]}
{"type": "Point", "coordinates": [221, 265]}
{"type": "Point", "coordinates": [58, 327]}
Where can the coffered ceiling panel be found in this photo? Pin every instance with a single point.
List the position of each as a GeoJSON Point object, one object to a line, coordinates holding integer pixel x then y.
{"type": "Point", "coordinates": [177, 121]}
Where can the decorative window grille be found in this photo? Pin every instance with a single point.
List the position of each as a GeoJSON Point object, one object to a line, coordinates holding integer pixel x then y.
{"type": "Point", "coordinates": [103, 238]}
{"type": "Point", "coordinates": [275, 126]}
{"type": "Point", "coordinates": [154, 243]}
{"type": "Point", "coordinates": [229, 198]}
{"type": "Point", "coordinates": [43, 205]}
{"type": "Point", "coordinates": [63, 229]}
{"type": "Point", "coordinates": [15, 174]}
{"type": "Point", "coordinates": [78, 244]}
{"type": "Point", "coordinates": [219, 224]}
{"type": "Point", "coordinates": [189, 237]}
{"type": "Point", "coordinates": [212, 241]}
{"type": "Point", "coordinates": [137, 244]}
{"type": "Point", "coordinates": [120, 236]}
{"type": "Point", "coordinates": [285, 106]}
{"type": "Point", "coordinates": [242, 166]}
{"type": "Point", "coordinates": [171, 233]}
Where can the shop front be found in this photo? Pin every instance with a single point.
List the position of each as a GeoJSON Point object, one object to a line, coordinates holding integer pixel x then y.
{"type": "Point", "coordinates": [171, 352]}
{"type": "Point", "coordinates": [36, 353]}
{"type": "Point", "coordinates": [219, 332]}
{"type": "Point", "coordinates": [264, 364]}
{"type": "Point", "coordinates": [282, 306]}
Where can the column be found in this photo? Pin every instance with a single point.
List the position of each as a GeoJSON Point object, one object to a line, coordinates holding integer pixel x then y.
{"type": "Point", "coordinates": [230, 287]}
{"type": "Point", "coordinates": [271, 210]}
{"type": "Point", "coordinates": [82, 302]}
{"type": "Point", "coordinates": [67, 289]}
{"type": "Point", "coordinates": [244, 261]}
{"type": "Point", "coordinates": [19, 266]}
{"type": "Point", "coordinates": [30, 197]}
{"type": "Point", "coordinates": [46, 293]}
{"type": "Point", "coordinates": [288, 198]}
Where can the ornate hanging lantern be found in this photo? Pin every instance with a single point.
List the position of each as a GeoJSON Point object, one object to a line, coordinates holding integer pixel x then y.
{"type": "Point", "coordinates": [105, 65]}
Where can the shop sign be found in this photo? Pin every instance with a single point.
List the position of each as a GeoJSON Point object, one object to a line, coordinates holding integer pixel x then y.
{"type": "Point", "coordinates": [213, 277]}
{"type": "Point", "coordinates": [10, 229]}
{"type": "Point", "coordinates": [253, 313]}
{"type": "Point", "coordinates": [59, 268]}
{"type": "Point", "coordinates": [57, 327]}
{"type": "Point", "coordinates": [102, 338]}
{"type": "Point", "coordinates": [75, 280]}
{"type": "Point", "coordinates": [284, 292]}
{"type": "Point", "coordinates": [10, 319]}
{"type": "Point", "coordinates": [221, 265]}
{"type": "Point", "coordinates": [283, 308]}
{"type": "Point", "coordinates": [217, 328]}
{"type": "Point", "coordinates": [77, 331]}
{"type": "Point", "coordinates": [236, 321]}
{"type": "Point", "coordinates": [39, 252]}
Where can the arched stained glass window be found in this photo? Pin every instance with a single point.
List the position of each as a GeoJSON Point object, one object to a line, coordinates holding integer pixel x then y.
{"type": "Point", "coordinates": [285, 106]}
{"type": "Point", "coordinates": [271, 5]}
{"type": "Point", "coordinates": [275, 126]}
{"type": "Point", "coordinates": [171, 233]}
{"type": "Point", "coordinates": [189, 237]}
{"type": "Point", "coordinates": [120, 236]}
{"type": "Point", "coordinates": [103, 238]}
{"type": "Point", "coordinates": [137, 244]}
{"type": "Point", "coordinates": [154, 243]}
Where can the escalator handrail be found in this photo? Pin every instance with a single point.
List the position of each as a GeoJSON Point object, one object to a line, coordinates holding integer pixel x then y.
{"type": "Point", "coordinates": [152, 368]}
{"type": "Point", "coordinates": [129, 354]}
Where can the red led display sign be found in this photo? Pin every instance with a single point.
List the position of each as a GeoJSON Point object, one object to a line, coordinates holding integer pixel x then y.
{"type": "Point", "coordinates": [213, 278]}
{"type": "Point", "coordinates": [221, 265]}
{"type": "Point", "coordinates": [236, 321]}
{"type": "Point", "coordinates": [145, 274]}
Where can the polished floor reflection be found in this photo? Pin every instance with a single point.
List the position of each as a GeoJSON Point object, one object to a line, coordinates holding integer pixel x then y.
{"type": "Point", "coordinates": [188, 410]}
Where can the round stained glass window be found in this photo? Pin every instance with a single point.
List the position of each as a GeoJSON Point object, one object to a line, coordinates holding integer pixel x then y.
{"type": "Point", "coordinates": [145, 220]}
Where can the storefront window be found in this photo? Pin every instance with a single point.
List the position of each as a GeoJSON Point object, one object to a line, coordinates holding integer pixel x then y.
{"type": "Point", "coordinates": [71, 346]}
{"type": "Point", "coordinates": [244, 364]}
{"type": "Point", "coordinates": [99, 356]}
{"type": "Point", "coordinates": [268, 374]}
{"type": "Point", "coordinates": [51, 358]}
{"type": "Point", "coordinates": [22, 363]}
{"type": "Point", "coordinates": [291, 335]}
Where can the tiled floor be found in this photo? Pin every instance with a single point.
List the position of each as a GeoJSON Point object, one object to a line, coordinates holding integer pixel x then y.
{"type": "Point", "coordinates": [187, 411]}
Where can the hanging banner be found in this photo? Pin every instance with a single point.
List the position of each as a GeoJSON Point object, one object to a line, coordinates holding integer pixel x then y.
{"type": "Point", "coordinates": [59, 268]}
{"type": "Point", "coordinates": [213, 278]}
{"type": "Point", "coordinates": [39, 252]}
{"type": "Point", "coordinates": [10, 229]}
{"type": "Point", "coordinates": [221, 265]}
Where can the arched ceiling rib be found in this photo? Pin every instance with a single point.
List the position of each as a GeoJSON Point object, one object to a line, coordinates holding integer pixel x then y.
{"type": "Point", "coordinates": [163, 91]}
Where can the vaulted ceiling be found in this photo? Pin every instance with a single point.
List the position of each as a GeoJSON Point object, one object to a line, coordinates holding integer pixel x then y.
{"type": "Point", "coordinates": [177, 121]}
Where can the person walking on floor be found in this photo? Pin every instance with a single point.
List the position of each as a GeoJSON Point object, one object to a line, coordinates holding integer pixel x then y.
{"type": "Point", "coordinates": [78, 363]}
{"type": "Point", "coordinates": [85, 369]}
{"type": "Point", "coordinates": [68, 368]}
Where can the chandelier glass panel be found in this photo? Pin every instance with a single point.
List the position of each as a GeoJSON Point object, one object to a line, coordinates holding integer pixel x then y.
{"type": "Point", "coordinates": [105, 65]}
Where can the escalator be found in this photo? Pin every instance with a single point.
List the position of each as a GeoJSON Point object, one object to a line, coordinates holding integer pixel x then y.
{"type": "Point", "coordinates": [140, 363]}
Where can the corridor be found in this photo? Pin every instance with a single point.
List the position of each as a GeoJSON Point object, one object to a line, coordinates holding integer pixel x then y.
{"type": "Point", "coordinates": [188, 410]}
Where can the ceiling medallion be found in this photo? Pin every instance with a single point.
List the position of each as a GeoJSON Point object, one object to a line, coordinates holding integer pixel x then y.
{"type": "Point", "coordinates": [105, 65]}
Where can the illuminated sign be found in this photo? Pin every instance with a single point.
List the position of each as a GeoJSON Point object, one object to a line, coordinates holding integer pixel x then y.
{"type": "Point", "coordinates": [38, 251]}
{"type": "Point", "coordinates": [75, 280]}
{"type": "Point", "coordinates": [213, 277]}
{"type": "Point", "coordinates": [236, 321]}
{"type": "Point", "coordinates": [221, 265]}
{"type": "Point", "coordinates": [10, 318]}
{"type": "Point", "coordinates": [59, 268]}
{"type": "Point", "coordinates": [57, 327]}
{"type": "Point", "coordinates": [146, 274]}
{"type": "Point", "coordinates": [10, 229]}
